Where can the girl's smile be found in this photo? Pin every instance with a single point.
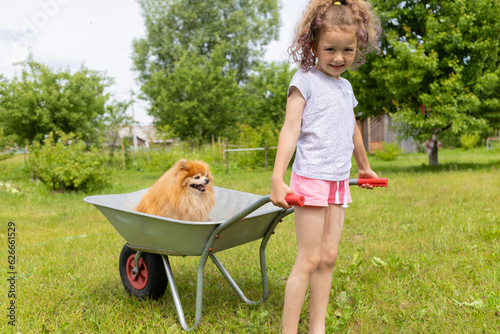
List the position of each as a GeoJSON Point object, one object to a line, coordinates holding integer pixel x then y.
{"type": "Point", "coordinates": [336, 51]}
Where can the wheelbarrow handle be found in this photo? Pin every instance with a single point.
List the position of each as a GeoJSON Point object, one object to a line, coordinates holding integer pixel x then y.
{"type": "Point", "coordinates": [294, 199]}
{"type": "Point", "coordinates": [376, 182]}
{"type": "Point", "coordinates": [299, 200]}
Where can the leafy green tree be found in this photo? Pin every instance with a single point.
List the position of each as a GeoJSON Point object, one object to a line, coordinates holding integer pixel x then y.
{"type": "Point", "coordinates": [116, 117]}
{"type": "Point", "coordinates": [4, 145]}
{"type": "Point", "coordinates": [267, 91]}
{"type": "Point", "coordinates": [41, 101]}
{"type": "Point", "coordinates": [198, 27]}
{"type": "Point", "coordinates": [5, 141]}
{"type": "Point", "coordinates": [196, 99]}
{"type": "Point", "coordinates": [438, 69]}
{"type": "Point", "coordinates": [197, 56]}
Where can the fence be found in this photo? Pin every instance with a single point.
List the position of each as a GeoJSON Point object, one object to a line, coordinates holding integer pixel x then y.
{"type": "Point", "coordinates": [227, 150]}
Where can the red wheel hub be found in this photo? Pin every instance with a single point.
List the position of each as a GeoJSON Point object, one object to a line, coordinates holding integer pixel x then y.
{"type": "Point", "coordinates": [141, 279]}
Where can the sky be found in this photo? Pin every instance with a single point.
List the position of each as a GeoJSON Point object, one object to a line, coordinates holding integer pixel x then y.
{"type": "Point", "coordinates": [64, 34]}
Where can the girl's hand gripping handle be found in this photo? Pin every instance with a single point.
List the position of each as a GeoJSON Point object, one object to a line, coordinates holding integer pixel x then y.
{"type": "Point", "coordinates": [293, 199]}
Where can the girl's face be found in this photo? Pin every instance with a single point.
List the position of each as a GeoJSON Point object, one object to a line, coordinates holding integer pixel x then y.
{"type": "Point", "coordinates": [335, 50]}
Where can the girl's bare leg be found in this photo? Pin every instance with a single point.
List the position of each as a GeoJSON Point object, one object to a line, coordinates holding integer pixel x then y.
{"type": "Point", "coordinates": [321, 279]}
{"type": "Point", "coordinates": [309, 225]}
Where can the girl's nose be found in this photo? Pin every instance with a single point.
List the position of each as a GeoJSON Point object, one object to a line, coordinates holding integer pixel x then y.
{"type": "Point", "coordinates": [337, 56]}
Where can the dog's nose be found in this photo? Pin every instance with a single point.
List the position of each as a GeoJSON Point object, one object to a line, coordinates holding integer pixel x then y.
{"type": "Point", "coordinates": [207, 181]}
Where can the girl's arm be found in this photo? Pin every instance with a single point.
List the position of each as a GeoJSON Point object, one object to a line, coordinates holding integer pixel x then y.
{"type": "Point", "coordinates": [364, 170]}
{"type": "Point", "coordinates": [286, 146]}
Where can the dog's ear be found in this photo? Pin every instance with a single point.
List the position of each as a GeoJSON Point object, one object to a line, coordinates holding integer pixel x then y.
{"type": "Point", "coordinates": [183, 164]}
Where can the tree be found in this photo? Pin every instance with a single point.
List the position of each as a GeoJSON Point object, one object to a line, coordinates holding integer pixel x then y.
{"type": "Point", "coordinates": [5, 142]}
{"type": "Point", "coordinates": [41, 101]}
{"type": "Point", "coordinates": [116, 117]}
{"type": "Point", "coordinates": [198, 27]}
{"type": "Point", "coordinates": [196, 58]}
{"type": "Point", "coordinates": [438, 69]}
{"type": "Point", "coordinates": [267, 88]}
{"type": "Point", "coordinates": [195, 99]}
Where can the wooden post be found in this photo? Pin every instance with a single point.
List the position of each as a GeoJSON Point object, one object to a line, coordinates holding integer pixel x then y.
{"type": "Point", "coordinates": [220, 152]}
{"type": "Point", "coordinates": [213, 147]}
{"type": "Point", "coordinates": [227, 156]}
{"type": "Point", "coordinates": [26, 145]}
{"type": "Point", "coordinates": [223, 152]}
{"type": "Point", "coordinates": [123, 153]}
{"type": "Point", "coordinates": [265, 155]}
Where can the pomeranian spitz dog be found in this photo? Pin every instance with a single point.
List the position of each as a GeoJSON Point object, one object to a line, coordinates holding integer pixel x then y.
{"type": "Point", "coordinates": [184, 192]}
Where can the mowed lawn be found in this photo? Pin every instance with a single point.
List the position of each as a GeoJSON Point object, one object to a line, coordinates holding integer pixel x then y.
{"type": "Point", "coordinates": [421, 256]}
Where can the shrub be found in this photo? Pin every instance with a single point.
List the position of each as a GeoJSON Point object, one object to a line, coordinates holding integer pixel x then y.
{"type": "Point", "coordinates": [253, 138]}
{"type": "Point", "coordinates": [6, 155]}
{"type": "Point", "coordinates": [469, 140]}
{"type": "Point", "coordinates": [156, 159]}
{"type": "Point", "coordinates": [390, 152]}
{"type": "Point", "coordinates": [67, 164]}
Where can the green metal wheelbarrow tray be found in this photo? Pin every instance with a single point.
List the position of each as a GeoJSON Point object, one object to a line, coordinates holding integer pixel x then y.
{"type": "Point", "coordinates": [237, 218]}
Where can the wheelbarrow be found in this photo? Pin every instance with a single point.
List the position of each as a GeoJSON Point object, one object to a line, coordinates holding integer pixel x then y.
{"type": "Point", "coordinates": [237, 218]}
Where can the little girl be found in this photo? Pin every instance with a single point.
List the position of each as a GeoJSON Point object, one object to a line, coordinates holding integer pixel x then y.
{"type": "Point", "coordinates": [331, 37]}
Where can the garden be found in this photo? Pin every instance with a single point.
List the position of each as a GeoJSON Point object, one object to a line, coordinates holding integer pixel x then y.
{"type": "Point", "coordinates": [420, 256]}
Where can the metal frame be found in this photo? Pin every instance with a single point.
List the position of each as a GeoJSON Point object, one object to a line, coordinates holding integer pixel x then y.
{"type": "Point", "coordinates": [207, 252]}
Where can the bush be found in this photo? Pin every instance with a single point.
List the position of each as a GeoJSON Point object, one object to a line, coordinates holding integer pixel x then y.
{"type": "Point", "coordinates": [156, 159]}
{"type": "Point", "coordinates": [253, 138]}
{"type": "Point", "coordinates": [5, 156]}
{"type": "Point", "coordinates": [67, 164]}
{"type": "Point", "coordinates": [469, 140]}
{"type": "Point", "coordinates": [391, 152]}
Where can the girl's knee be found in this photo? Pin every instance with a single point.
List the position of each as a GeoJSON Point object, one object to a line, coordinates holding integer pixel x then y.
{"type": "Point", "coordinates": [329, 258]}
{"type": "Point", "coordinates": [309, 264]}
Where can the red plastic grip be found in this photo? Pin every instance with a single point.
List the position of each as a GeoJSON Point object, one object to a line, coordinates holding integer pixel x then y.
{"type": "Point", "coordinates": [376, 182]}
{"type": "Point", "coordinates": [295, 200]}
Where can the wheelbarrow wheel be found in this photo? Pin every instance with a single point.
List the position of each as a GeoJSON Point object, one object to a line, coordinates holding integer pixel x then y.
{"type": "Point", "coordinates": [151, 280]}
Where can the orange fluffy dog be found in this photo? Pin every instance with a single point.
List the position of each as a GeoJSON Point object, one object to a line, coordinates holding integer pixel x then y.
{"type": "Point", "coordinates": [184, 192]}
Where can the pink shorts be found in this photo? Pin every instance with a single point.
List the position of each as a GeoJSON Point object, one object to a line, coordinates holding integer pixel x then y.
{"type": "Point", "coordinates": [320, 192]}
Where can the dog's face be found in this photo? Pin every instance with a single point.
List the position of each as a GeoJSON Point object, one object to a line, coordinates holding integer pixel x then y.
{"type": "Point", "coordinates": [194, 176]}
{"type": "Point", "coordinates": [184, 192]}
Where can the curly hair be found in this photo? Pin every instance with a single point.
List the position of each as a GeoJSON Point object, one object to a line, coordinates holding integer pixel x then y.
{"type": "Point", "coordinates": [324, 14]}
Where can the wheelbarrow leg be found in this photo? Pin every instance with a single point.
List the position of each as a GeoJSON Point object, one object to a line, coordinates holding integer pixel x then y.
{"type": "Point", "coordinates": [233, 284]}
{"type": "Point", "coordinates": [263, 267]}
{"type": "Point", "coordinates": [175, 293]}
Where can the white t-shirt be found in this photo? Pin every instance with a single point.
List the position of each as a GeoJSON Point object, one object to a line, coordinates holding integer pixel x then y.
{"type": "Point", "coordinates": [325, 144]}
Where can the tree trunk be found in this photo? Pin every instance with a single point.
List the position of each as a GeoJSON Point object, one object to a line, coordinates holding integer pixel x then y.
{"type": "Point", "coordinates": [123, 153]}
{"type": "Point", "coordinates": [433, 157]}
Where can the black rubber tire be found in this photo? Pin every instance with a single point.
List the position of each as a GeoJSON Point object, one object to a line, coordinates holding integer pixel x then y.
{"type": "Point", "coordinates": [154, 285]}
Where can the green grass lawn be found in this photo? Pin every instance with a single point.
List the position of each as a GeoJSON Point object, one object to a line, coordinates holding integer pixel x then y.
{"type": "Point", "coordinates": [422, 256]}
